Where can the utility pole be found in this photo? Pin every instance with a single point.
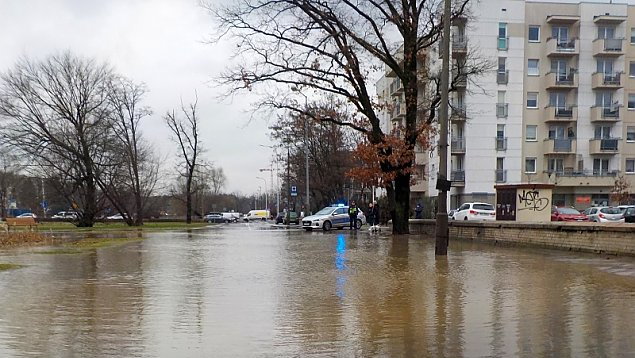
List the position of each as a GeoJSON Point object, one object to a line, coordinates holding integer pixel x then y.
{"type": "Point", "coordinates": [443, 185]}
{"type": "Point", "coordinates": [306, 165]}
{"type": "Point", "coordinates": [288, 188]}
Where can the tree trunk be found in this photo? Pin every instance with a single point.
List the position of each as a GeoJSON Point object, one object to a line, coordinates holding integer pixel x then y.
{"type": "Point", "coordinates": [402, 205]}
{"type": "Point", "coordinates": [188, 200]}
{"type": "Point", "coordinates": [87, 218]}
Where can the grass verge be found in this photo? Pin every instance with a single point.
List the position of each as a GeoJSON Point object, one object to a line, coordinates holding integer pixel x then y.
{"type": "Point", "coordinates": [4, 267]}
{"type": "Point", "coordinates": [119, 226]}
{"type": "Point", "coordinates": [84, 245]}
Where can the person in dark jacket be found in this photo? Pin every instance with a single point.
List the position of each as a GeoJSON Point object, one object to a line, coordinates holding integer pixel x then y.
{"type": "Point", "coordinates": [370, 216]}
{"type": "Point", "coordinates": [376, 215]}
{"type": "Point", "coordinates": [353, 210]}
{"type": "Point", "coordinates": [418, 211]}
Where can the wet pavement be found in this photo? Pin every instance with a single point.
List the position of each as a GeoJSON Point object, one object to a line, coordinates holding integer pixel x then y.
{"type": "Point", "coordinates": [239, 290]}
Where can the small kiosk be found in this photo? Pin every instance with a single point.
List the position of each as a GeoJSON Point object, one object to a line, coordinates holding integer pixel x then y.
{"type": "Point", "coordinates": [524, 202]}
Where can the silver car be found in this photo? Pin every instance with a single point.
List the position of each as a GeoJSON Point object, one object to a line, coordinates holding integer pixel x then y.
{"type": "Point", "coordinates": [604, 214]}
{"type": "Point", "coordinates": [332, 217]}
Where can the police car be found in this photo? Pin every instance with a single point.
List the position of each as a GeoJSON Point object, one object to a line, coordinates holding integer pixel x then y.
{"type": "Point", "coordinates": [335, 216]}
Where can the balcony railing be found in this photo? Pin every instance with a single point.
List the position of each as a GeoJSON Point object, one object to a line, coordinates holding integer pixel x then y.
{"type": "Point", "coordinates": [501, 110]}
{"type": "Point", "coordinates": [603, 145]}
{"type": "Point", "coordinates": [458, 112]}
{"type": "Point", "coordinates": [458, 145]}
{"type": "Point", "coordinates": [503, 43]}
{"type": "Point", "coordinates": [561, 144]}
{"type": "Point", "coordinates": [501, 143]}
{"type": "Point", "coordinates": [607, 47]}
{"type": "Point", "coordinates": [396, 86]}
{"type": "Point", "coordinates": [610, 113]}
{"type": "Point", "coordinates": [501, 175]}
{"type": "Point", "coordinates": [502, 77]}
{"type": "Point", "coordinates": [562, 47]}
{"type": "Point", "coordinates": [457, 175]}
{"type": "Point", "coordinates": [587, 173]}
{"type": "Point", "coordinates": [459, 79]}
{"type": "Point", "coordinates": [459, 44]}
{"type": "Point", "coordinates": [561, 113]}
{"type": "Point", "coordinates": [606, 80]}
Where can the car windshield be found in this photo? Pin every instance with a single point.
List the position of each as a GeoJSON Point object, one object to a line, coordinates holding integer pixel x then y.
{"type": "Point", "coordinates": [326, 211]}
{"type": "Point", "coordinates": [568, 211]}
{"type": "Point", "coordinates": [610, 211]}
{"type": "Point", "coordinates": [483, 207]}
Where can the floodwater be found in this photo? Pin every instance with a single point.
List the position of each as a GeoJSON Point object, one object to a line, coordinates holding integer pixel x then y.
{"type": "Point", "coordinates": [241, 291]}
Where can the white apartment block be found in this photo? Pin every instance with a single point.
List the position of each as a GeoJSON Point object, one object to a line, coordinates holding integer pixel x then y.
{"type": "Point", "coordinates": [558, 106]}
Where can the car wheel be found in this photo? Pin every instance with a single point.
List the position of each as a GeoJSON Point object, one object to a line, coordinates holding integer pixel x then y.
{"type": "Point", "coordinates": [465, 218]}
{"type": "Point", "coordinates": [358, 224]}
{"type": "Point", "coordinates": [327, 226]}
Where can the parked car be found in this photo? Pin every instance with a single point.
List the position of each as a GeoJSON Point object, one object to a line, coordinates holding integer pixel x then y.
{"type": "Point", "coordinates": [475, 211]}
{"type": "Point", "coordinates": [27, 215]}
{"type": "Point", "coordinates": [231, 217]}
{"type": "Point", "coordinates": [115, 217]}
{"type": "Point", "coordinates": [567, 214]}
{"type": "Point", "coordinates": [451, 214]}
{"type": "Point", "coordinates": [604, 214]}
{"type": "Point", "coordinates": [332, 217]}
{"type": "Point", "coordinates": [629, 215]}
{"type": "Point", "coordinates": [624, 207]}
{"type": "Point", "coordinates": [257, 215]}
{"type": "Point", "coordinates": [293, 218]}
{"type": "Point", "coordinates": [214, 218]}
{"type": "Point", "coordinates": [66, 215]}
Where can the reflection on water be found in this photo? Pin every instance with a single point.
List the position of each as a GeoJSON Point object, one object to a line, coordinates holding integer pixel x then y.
{"type": "Point", "coordinates": [242, 292]}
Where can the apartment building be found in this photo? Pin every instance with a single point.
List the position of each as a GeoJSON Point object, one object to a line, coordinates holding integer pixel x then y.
{"type": "Point", "coordinates": [557, 107]}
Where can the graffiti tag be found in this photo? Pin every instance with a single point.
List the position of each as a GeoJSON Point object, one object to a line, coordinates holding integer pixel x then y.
{"type": "Point", "coordinates": [531, 200]}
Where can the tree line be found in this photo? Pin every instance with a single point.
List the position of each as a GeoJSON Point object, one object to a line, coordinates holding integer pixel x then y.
{"type": "Point", "coordinates": [75, 123]}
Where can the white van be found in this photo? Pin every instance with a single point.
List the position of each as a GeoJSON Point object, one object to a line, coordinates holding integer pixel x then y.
{"type": "Point", "coordinates": [231, 217]}
{"type": "Point", "coordinates": [257, 215]}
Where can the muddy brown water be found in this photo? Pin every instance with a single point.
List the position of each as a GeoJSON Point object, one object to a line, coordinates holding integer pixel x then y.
{"type": "Point", "coordinates": [241, 291]}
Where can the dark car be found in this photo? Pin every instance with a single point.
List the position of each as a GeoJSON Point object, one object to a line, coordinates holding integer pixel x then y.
{"type": "Point", "coordinates": [629, 215]}
{"type": "Point", "coordinates": [567, 214]}
{"type": "Point", "coordinates": [214, 218]}
{"type": "Point", "coordinates": [293, 218]}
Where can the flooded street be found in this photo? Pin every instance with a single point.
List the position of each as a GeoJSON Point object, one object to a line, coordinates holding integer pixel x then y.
{"type": "Point", "coordinates": [240, 291]}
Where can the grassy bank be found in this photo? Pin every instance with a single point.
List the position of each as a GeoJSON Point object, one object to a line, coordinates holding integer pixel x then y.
{"type": "Point", "coordinates": [119, 226]}
{"type": "Point", "coordinates": [84, 245]}
{"type": "Point", "coordinates": [23, 238]}
{"type": "Point", "coordinates": [4, 267]}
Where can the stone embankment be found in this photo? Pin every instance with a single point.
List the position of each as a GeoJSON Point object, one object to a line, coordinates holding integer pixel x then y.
{"type": "Point", "coordinates": [617, 239]}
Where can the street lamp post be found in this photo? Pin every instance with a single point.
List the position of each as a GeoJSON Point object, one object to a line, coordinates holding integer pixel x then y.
{"type": "Point", "coordinates": [266, 200]}
{"type": "Point", "coordinates": [306, 149]}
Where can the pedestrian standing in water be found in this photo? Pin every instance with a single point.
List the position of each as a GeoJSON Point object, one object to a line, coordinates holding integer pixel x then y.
{"type": "Point", "coordinates": [353, 210]}
{"type": "Point", "coordinates": [376, 215]}
{"type": "Point", "coordinates": [370, 216]}
{"type": "Point", "coordinates": [418, 211]}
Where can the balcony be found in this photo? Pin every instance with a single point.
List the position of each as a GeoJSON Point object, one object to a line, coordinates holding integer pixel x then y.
{"type": "Point", "coordinates": [458, 145]}
{"type": "Point", "coordinates": [399, 110]}
{"type": "Point", "coordinates": [458, 112]}
{"type": "Point", "coordinates": [608, 47]}
{"type": "Point", "coordinates": [557, 47]}
{"type": "Point", "coordinates": [503, 43]}
{"type": "Point", "coordinates": [396, 88]}
{"type": "Point", "coordinates": [606, 80]}
{"type": "Point", "coordinates": [501, 175]}
{"type": "Point", "coordinates": [559, 146]}
{"type": "Point", "coordinates": [457, 177]}
{"type": "Point", "coordinates": [459, 45]}
{"type": "Point", "coordinates": [502, 77]}
{"type": "Point", "coordinates": [561, 114]}
{"type": "Point", "coordinates": [585, 178]}
{"type": "Point", "coordinates": [566, 80]}
{"type": "Point", "coordinates": [459, 80]}
{"type": "Point", "coordinates": [502, 110]}
{"type": "Point", "coordinates": [603, 146]}
{"type": "Point", "coordinates": [605, 114]}
{"type": "Point", "coordinates": [501, 143]}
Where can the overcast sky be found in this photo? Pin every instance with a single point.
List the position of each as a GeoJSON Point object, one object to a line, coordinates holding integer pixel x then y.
{"type": "Point", "coordinates": [158, 42]}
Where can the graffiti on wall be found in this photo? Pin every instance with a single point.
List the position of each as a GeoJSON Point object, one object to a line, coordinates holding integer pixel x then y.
{"type": "Point", "coordinates": [531, 200]}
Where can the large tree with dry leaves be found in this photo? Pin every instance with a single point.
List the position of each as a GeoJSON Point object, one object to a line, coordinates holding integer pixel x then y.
{"type": "Point", "coordinates": [290, 48]}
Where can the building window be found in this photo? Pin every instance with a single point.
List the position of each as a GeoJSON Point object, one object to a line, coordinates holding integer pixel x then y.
{"type": "Point", "coordinates": [532, 67]}
{"type": "Point", "coordinates": [531, 133]}
{"type": "Point", "coordinates": [631, 101]}
{"type": "Point", "coordinates": [532, 99]}
{"type": "Point", "coordinates": [530, 165]}
{"type": "Point", "coordinates": [633, 35]}
{"type": "Point", "coordinates": [606, 32]}
{"type": "Point", "coordinates": [600, 166]}
{"type": "Point", "coordinates": [631, 69]}
{"type": "Point", "coordinates": [534, 33]}
{"type": "Point", "coordinates": [502, 36]}
{"type": "Point", "coordinates": [630, 166]}
{"type": "Point", "coordinates": [630, 134]}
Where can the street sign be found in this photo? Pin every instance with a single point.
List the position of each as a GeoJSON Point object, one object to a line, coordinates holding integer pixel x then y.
{"type": "Point", "coordinates": [294, 190]}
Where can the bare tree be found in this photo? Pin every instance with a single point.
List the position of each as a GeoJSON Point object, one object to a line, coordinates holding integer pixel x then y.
{"type": "Point", "coordinates": [9, 168]}
{"type": "Point", "coordinates": [133, 173]}
{"type": "Point", "coordinates": [186, 136]}
{"type": "Point", "coordinates": [58, 116]}
{"type": "Point", "coordinates": [333, 47]}
{"type": "Point", "coordinates": [217, 178]}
